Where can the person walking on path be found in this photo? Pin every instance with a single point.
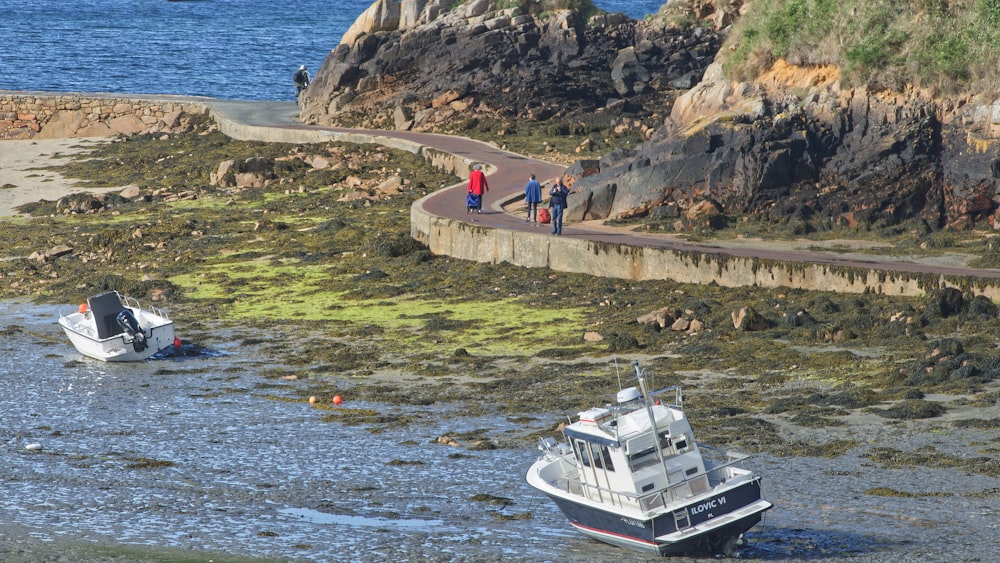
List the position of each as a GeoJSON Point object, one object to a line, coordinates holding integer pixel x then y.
{"type": "Point", "coordinates": [558, 204]}
{"type": "Point", "coordinates": [532, 197]}
{"type": "Point", "coordinates": [478, 185]}
{"type": "Point", "coordinates": [302, 80]}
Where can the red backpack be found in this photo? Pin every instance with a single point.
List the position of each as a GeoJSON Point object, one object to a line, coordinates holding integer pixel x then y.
{"type": "Point", "coordinates": [543, 215]}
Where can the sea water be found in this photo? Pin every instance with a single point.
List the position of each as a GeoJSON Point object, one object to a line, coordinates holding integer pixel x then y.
{"type": "Point", "coordinates": [198, 451]}
{"type": "Point", "coordinates": [227, 49]}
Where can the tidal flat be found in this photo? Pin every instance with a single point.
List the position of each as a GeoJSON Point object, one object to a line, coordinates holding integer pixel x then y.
{"type": "Point", "coordinates": [320, 291]}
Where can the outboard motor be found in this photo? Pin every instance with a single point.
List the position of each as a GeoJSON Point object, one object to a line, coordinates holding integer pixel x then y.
{"type": "Point", "coordinates": [127, 321]}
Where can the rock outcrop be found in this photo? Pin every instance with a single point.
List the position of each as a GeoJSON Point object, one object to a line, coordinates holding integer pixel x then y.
{"type": "Point", "coordinates": [850, 157]}
{"type": "Point", "coordinates": [419, 63]}
{"type": "Point", "coordinates": [792, 145]}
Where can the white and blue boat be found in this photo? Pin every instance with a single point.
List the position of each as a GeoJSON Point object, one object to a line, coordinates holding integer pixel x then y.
{"type": "Point", "coordinates": [632, 475]}
{"type": "Point", "coordinates": [113, 328]}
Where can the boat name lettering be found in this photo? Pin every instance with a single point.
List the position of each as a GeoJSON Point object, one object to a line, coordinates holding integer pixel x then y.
{"type": "Point", "coordinates": [714, 503]}
{"type": "Point", "coordinates": [632, 522]}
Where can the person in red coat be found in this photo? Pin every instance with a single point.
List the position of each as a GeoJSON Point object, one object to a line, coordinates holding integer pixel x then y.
{"type": "Point", "coordinates": [478, 185]}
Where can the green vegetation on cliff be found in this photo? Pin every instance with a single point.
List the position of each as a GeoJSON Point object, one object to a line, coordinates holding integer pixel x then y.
{"type": "Point", "coordinates": [539, 7]}
{"type": "Point", "coordinates": [948, 47]}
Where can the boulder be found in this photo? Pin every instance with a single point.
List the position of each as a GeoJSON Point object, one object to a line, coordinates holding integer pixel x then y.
{"type": "Point", "coordinates": [62, 124]}
{"type": "Point", "coordinates": [409, 13]}
{"type": "Point", "coordinates": [249, 180]}
{"type": "Point", "coordinates": [383, 15]}
{"type": "Point", "coordinates": [127, 125]}
{"type": "Point", "coordinates": [627, 73]}
{"type": "Point", "coordinates": [403, 118]}
{"type": "Point", "coordinates": [130, 192]}
{"type": "Point", "coordinates": [59, 250]}
{"type": "Point", "coordinates": [824, 156]}
{"type": "Point", "coordinates": [661, 318]}
{"type": "Point", "coordinates": [746, 319]}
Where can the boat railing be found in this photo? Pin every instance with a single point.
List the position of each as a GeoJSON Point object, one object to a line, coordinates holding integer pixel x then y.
{"type": "Point", "coordinates": [678, 402]}
{"type": "Point", "coordinates": [133, 303]}
{"type": "Point", "coordinates": [693, 484]}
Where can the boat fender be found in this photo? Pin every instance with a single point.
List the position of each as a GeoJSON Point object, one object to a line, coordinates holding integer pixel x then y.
{"type": "Point", "coordinates": [127, 321]}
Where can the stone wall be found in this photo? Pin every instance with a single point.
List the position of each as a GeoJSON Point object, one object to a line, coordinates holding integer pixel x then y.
{"type": "Point", "coordinates": [39, 115]}
{"type": "Point", "coordinates": [466, 241]}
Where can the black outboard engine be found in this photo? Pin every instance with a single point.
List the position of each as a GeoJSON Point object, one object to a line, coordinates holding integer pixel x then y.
{"type": "Point", "coordinates": [127, 321]}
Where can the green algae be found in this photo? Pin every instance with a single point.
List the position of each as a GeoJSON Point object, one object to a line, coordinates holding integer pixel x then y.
{"type": "Point", "coordinates": [287, 289]}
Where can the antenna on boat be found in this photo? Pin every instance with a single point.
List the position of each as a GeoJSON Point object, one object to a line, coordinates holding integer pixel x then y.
{"type": "Point", "coordinates": [647, 399]}
{"type": "Point", "coordinates": [618, 373]}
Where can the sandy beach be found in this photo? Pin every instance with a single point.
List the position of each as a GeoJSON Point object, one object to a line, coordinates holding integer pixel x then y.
{"type": "Point", "coordinates": [24, 177]}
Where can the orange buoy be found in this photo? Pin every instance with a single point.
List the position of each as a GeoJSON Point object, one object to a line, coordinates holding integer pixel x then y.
{"type": "Point", "coordinates": [83, 308]}
{"type": "Point", "coordinates": [313, 399]}
{"type": "Point", "coordinates": [177, 342]}
{"type": "Point", "coordinates": [337, 399]}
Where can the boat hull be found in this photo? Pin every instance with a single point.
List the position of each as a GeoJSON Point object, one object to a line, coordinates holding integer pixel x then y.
{"type": "Point", "coordinates": [118, 348]}
{"type": "Point", "coordinates": [714, 522]}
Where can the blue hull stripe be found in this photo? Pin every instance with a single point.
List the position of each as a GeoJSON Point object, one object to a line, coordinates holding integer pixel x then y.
{"type": "Point", "coordinates": [641, 533]}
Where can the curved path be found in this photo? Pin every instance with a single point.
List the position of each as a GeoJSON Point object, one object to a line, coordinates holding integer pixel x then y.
{"type": "Point", "coordinates": [508, 173]}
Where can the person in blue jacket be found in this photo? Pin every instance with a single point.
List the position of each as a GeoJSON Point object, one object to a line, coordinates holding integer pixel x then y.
{"type": "Point", "coordinates": [558, 203]}
{"type": "Point", "coordinates": [532, 197]}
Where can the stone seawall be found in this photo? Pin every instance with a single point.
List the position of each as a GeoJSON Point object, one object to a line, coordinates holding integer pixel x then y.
{"type": "Point", "coordinates": [536, 250]}
{"type": "Point", "coordinates": [31, 115]}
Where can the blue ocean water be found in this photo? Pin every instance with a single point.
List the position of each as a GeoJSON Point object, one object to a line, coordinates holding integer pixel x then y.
{"type": "Point", "coordinates": [228, 49]}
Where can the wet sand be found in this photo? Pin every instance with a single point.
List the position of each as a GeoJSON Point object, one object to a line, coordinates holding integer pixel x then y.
{"type": "Point", "coordinates": [23, 179]}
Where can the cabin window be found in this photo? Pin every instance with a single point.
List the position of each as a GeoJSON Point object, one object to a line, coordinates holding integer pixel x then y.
{"type": "Point", "coordinates": [600, 455]}
{"type": "Point", "coordinates": [638, 458]}
{"type": "Point", "coordinates": [582, 453]}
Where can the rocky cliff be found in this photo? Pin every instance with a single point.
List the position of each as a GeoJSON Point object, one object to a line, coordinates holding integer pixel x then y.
{"type": "Point", "coordinates": [792, 145]}
{"type": "Point", "coordinates": [419, 63]}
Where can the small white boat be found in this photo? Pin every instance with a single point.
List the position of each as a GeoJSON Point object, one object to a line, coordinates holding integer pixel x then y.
{"type": "Point", "coordinates": [113, 328]}
{"type": "Point", "coordinates": [632, 475]}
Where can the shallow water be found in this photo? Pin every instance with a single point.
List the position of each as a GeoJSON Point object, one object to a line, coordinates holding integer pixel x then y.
{"type": "Point", "coordinates": [249, 473]}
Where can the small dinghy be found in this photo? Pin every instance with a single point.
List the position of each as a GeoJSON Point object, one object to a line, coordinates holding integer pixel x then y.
{"type": "Point", "coordinates": [113, 328]}
{"type": "Point", "coordinates": [632, 475]}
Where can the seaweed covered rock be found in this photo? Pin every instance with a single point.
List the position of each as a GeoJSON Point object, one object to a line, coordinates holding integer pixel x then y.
{"type": "Point", "coordinates": [947, 362]}
{"type": "Point", "coordinates": [913, 409]}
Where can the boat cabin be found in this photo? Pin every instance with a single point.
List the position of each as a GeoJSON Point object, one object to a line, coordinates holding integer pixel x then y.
{"type": "Point", "coordinates": [618, 452]}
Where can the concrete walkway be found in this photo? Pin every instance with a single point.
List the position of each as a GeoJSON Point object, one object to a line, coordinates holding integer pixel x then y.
{"type": "Point", "coordinates": [508, 172]}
